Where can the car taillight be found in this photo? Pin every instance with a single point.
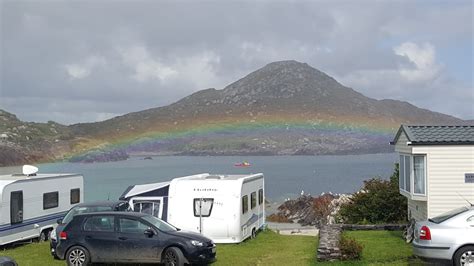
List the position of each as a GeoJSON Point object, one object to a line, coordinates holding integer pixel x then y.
{"type": "Point", "coordinates": [63, 235]}
{"type": "Point", "coordinates": [425, 233]}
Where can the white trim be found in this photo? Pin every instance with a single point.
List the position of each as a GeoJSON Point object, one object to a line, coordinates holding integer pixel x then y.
{"type": "Point", "coordinates": [150, 199]}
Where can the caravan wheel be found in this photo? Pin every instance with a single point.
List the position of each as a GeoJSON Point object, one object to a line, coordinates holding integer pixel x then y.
{"type": "Point", "coordinates": [44, 235]}
{"type": "Point", "coordinates": [254, 234]}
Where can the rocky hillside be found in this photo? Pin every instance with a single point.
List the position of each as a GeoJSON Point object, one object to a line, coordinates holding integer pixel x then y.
{"type": "Point", "coordinates": [284, 108]}
{"type": "Point", "coordinates": [24, 142]}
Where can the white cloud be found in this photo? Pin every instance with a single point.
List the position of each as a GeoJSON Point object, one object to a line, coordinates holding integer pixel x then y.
{"type": "Point", "coordinates": [145, 66]}
{"type": "Point", "coordinates": [83, 69]}
{"type": "Point", "coordinates": [423, 58]}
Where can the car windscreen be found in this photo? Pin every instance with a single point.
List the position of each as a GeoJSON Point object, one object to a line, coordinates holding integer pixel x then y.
{"type": "Point", "coordinates": [78, 210]}
{"type": "Point", "coordinates": [160, 224]}
{"type": "Point", "coordinates": [448, 215]}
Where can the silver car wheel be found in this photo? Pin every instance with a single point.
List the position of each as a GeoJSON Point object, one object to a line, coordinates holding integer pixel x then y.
{"type": "Point", "coordinates": [77, 257]}
{"type": "Point", "coordinates": [467, 258]}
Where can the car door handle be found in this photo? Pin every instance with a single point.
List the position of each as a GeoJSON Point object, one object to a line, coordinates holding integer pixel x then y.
{"type": "Point", "coordinates": [122, 238]}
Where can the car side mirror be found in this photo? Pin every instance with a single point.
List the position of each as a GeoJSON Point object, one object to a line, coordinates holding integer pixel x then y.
{"type": "Point", "coordinates": [148, 232]}
{"type": "Point", "coordinates": [59, 221]}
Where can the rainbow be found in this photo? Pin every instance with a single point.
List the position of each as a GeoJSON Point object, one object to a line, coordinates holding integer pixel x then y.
{"type": "Point", "coordinates": [217, 130]}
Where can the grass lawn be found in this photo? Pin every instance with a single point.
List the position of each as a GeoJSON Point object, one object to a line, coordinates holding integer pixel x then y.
{"type": "Point", "coordinates": [269, 248]}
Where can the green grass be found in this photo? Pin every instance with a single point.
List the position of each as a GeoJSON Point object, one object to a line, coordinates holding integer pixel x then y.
{"type": "Point", "coordinates": [381, 248]}
{"type": "Point", "coordinates": [269, 248]}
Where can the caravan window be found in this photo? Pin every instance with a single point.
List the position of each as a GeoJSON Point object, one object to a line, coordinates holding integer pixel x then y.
{"type": "Point", "coordinates": [245, 204]}
{"type": "Point", "coordinates": [260, 196]}
{"type": "Point", "coordinates": [75, 195]}
{"type": "Point", "coordinates": [16, 207]}
{"type": "Point", "coordinates": [50, 200]}
{"type": "Point", "coordinates": [203, 207]}
{"type": "Point", "coordinates": [253, 200]}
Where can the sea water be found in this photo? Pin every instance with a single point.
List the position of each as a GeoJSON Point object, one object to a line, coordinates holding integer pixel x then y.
{"type": "Point", "coordinates": [285, 176]}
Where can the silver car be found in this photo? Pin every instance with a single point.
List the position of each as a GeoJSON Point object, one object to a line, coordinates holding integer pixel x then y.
{"type": "Point", "coordinates": [448, 237]}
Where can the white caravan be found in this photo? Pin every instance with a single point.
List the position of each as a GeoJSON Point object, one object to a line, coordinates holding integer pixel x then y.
{"type": "Point", "coordinates": [225, 208]}
{"type": "Point", "coordinates": [31, 203]}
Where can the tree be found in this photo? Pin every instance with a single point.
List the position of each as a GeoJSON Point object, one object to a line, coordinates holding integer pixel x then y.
{"type": "Point", "coordinates": [379, 201]}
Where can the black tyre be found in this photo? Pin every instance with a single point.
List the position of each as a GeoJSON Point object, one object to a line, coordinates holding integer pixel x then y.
{"type": "Point", "coordinates": [173, 256]}
{"type": "Point", "coordinates": [77, 256]}
{"type": "Point", "coordinates": [44, 236]}
{"type": "Point", "coordinates": [464, 256]}
{"type": "Point", "coordinates": [254, 234]}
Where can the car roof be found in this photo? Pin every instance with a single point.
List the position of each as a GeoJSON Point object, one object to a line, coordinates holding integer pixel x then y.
{"type": "Point", "coordinates": [100, 203]}
{"type": "Point", "coordinates": [110, 213]}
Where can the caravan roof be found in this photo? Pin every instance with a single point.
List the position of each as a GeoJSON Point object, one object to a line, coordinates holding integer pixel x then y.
{"type": "Point", "coordinates": [208, 176]}
{"type": "Point", "coordinates": [7, 179]}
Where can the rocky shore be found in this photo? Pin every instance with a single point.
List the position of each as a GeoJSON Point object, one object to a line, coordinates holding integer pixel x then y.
{"type": "Point", "coordinates": [310, 211]}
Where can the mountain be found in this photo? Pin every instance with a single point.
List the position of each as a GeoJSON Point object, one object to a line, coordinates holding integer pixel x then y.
{"type": "Point", "coordinates": [284, 108]}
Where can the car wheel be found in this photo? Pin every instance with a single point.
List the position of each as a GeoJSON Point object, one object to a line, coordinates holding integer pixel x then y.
{"type": "Point", "coordinates": [173, 256]}
{"type": "Point", "coordinates": [464, 256]}
{"type": "Point", "coordinates": [254, 234]}
{"type": "Point", "coordinates": [77, 256]}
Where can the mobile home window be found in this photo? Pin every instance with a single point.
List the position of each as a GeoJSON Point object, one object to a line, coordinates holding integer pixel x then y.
{"type": "Point", "coordinates": [203, 207]}
{"type": "Point", "coordinates": [405, 172]}
{"type": "Point", "coordinates": [412, 174]}
{"type": "Point", "coordinates": [260, 196]}
{"type": "Point", "coordinates": [50, 200]}
{"type": "Point", "coordinates": [401, 176]}
{"type": "Point", "coordinates": [253, 200]}
{"type": "Point", "coordinates": [16, 207]}
{"type": "Point", "coordinates": [245, 204]}
{"type": "Point", "coordinates": [419, 174]}
{"type": "Point", "coordinates": [75, 195]}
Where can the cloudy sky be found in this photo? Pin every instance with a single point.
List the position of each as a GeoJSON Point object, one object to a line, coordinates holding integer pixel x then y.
{"type": "Point", "coordinates": [78, 61]}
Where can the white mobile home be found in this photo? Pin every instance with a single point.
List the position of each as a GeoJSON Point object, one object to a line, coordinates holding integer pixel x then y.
{"type": "Point", "coordinates": [436, 168]}
{"type": "Point", "coordinates": [31, 204]}
{"type": "Point", "coordinates": [225, 208]}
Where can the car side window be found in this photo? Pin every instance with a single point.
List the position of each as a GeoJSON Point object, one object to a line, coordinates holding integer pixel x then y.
{"type": "Point", "coordinates": [132, 226]}
{"type": "Point", "coordinates": [99, 224]}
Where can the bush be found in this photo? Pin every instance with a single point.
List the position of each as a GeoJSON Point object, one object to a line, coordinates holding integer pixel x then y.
{"type": "Point", "coordinates": [350, 248]}
{"type": "Point", "coordinates": [379, 201]}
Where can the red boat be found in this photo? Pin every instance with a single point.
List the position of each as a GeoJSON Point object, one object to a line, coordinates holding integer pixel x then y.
{"type": "Point", "coordinates": [242, 164]}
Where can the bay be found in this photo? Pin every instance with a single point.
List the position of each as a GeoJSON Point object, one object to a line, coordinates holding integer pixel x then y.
{"type": "Point", "coordinates": [285, 176]}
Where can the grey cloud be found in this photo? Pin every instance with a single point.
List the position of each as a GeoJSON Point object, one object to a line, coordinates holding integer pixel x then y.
{"type": "Point", "coordinates": [68, 55]}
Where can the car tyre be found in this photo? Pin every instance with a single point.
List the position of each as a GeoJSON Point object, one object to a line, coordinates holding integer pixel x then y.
{"type": "Point", "coordinates": [464, 256]}
{"type": "Point", "coordinates": [173, 256]}
{"type": "Point", "coordinates": [77, 256]}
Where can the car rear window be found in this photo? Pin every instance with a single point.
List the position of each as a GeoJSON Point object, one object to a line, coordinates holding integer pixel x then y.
{"type": "Point", "coordinates": [78, 210]}
{"type": "Point", "coordinates": [448, 215]}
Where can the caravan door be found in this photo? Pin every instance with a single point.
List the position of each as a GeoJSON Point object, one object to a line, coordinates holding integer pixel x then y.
{"type": "Point", "coordinates": [149, 205]}
{"type": "Point", "coordinates": [202, 209]}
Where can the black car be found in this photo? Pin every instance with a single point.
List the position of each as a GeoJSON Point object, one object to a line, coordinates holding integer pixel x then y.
{"type": "Point", "coordinates": [96, 206]}
{"type": "Point", "coordinates": [129, 237]}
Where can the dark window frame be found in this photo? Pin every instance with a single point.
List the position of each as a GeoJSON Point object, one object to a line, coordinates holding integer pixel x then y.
{"type": "Point", "coordinates": [74, 190]}
{"type": "Point", "coordinates": [245, 204]}
{"type": "Point", "coordinates": [50, 206]}
{"type": "Point", "coordinates": [19, 218]}
{"type": "Point", "coordinates": [260, 196]}
{"type": "Point", "coordinates": [194, 207]}
{"type": "Point", "coordinates": [253, 200]}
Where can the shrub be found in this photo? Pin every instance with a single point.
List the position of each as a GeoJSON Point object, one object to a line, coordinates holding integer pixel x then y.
{"type": "Point", "coordinates": [350, 248]}
{"type": "Point", "coordinates": [379, 201]}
